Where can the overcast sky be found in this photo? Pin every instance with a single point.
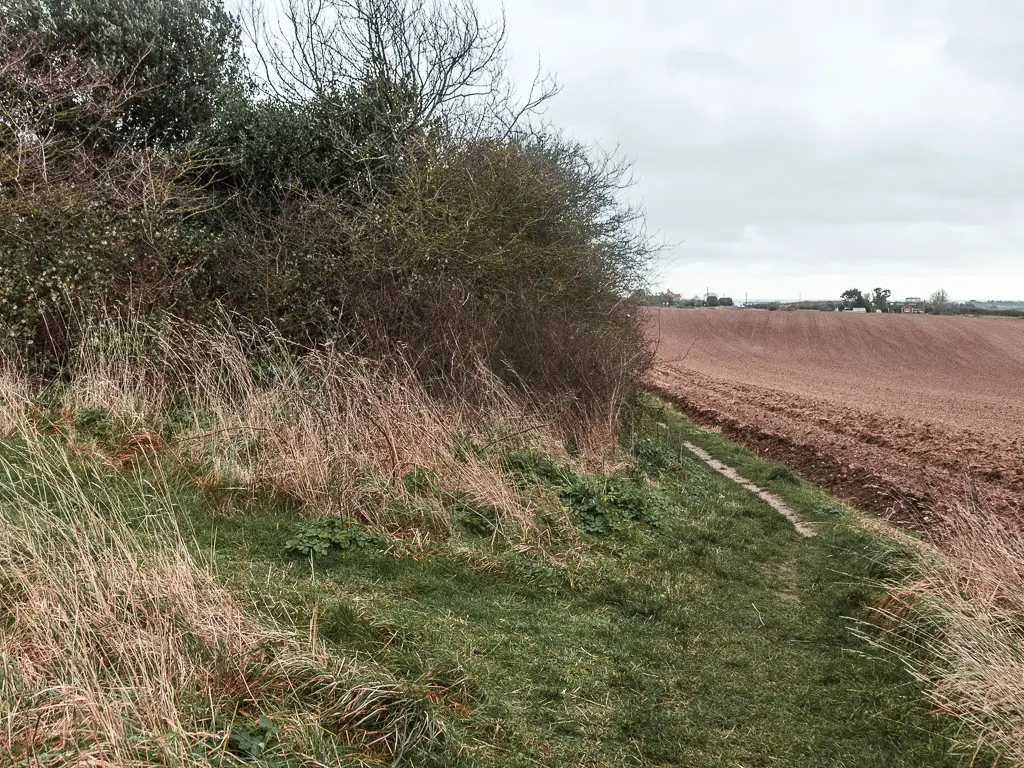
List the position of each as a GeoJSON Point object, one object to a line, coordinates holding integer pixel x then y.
{"type": "Point", "coordinates": [799, 147]}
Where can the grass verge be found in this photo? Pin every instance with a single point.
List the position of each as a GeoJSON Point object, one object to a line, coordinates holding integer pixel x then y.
{"type": "Point", "coordinates": [704, 631]}
{"type": "Point", "coordinates": [952, 615]}
{"type": "Point", "coordinates": [649, 611]}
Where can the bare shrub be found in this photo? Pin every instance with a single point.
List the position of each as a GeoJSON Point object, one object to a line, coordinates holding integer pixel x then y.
{"type": "Point", "coordinates": [516, 253]}
{"type": "Point", "coordinates": [418, 65]}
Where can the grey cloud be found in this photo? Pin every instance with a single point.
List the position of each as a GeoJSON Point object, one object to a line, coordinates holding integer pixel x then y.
{"type": "Point", "coordinates": [997, 56]}
{"type": "Point", "coordinates": [692, 59]}
{"type": "Point", "coordinates": [885, 134]}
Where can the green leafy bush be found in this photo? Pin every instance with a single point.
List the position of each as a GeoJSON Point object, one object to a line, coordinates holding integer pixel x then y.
{"type": "Point", "coordinates": [322, 536]}
{"type": "Point", "coordinates": [474, 517]}
{"type": "Point", "coordinates": [654, 456]}
{"type": "Point", "coordinates": [604, 506]}
{"type": "Point", "coordinates": [531, 465]}
{"type": "Point", "coordinates": [95, 422]}
{"type": "Point", "coordinates": [600, 505]}
{"type": "Point", "coordinates": [830, 509]}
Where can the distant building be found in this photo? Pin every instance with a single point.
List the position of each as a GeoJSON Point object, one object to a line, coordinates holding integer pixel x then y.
{"type": "Point", "coordinates": [912, 304]}
{"type": "Point", "coordinates": [673, 296]}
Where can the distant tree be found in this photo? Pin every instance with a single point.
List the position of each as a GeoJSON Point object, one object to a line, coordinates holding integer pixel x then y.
{"type": "Point", "coordinates": [725, 301]}
{"type": "Point", "coordinates": [938, 302]}
{"type": "Point", "coordinates": [854, 298]}
{"type": "Point", "coordinates": [881, 299]}
{"type": "Point", "coordinates": [711, 300]}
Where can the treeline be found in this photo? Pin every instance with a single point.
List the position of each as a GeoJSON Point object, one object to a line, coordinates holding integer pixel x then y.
{"type": "Point", "coordinates": [820, 306]}
{"type": "Point", "coordinates": [366, 177]}
{"type": "Point", "coordinates": [669, 299]}
{"type": "Point", "coordinates": [938, 303]}
{"type": "Point", "coordinates": [970, 309]}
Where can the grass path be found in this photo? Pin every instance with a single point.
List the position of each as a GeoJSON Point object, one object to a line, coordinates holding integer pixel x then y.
{"type": "Point", "coordinates": [685, 623]}
{"type": "Point", "coordinates": [718, 637]}
{"type": "Point", "coordinates": [774, 501]}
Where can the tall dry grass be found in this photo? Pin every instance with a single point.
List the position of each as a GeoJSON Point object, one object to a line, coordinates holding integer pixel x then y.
{"type": "Point", "coordinates": [118, 648]}
{"type": "Point", "coordinates": [15, 397]}
{"type": "Point", "coordinates": [958, 625]}
{"type": "Point", "coordinates": [335, 432]}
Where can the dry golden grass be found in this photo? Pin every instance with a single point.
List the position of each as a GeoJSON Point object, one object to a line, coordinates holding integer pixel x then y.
{"type": "Point", "coordinates": [958, 625]}
{"type": "Point", "coordinates": [15, 398]}
{"type": "Point", "coordinates": [117, 646]}
{"type": "Point", "coordinates": [334, 432]}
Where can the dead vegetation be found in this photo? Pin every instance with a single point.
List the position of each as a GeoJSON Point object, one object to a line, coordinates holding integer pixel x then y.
{"type": "Point", "coordinates": [958, 626]}
{"type": "Point", "coordinates": [338, 434]}
{"type": "Point", "coordinates": [117, 647]}
{"type": "Point", "coordinates": [116, 643]}
{"type": "Point", "coordinates": [333, 432]}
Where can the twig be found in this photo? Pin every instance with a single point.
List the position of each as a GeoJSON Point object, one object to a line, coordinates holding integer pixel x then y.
{"type": "Point", "coordinates": [680, 359]}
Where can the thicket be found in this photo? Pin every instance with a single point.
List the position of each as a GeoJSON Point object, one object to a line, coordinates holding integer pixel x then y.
{"type": "Point", "coordinates": [368, 178]}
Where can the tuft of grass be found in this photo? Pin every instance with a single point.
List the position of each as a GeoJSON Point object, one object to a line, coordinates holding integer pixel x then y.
{"type": "Point", "coordinates": [15, 397]}
{"type": "Point", "coordinates": [957, 623]}
{"type": "Point", "coordinates": [785, 475]}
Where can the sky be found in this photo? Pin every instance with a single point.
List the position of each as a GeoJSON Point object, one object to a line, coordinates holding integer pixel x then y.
{"type": "Point", "coordinates": [797, 148]}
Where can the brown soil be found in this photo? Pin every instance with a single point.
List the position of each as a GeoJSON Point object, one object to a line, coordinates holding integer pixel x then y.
{"type": "Point", "coordinates": [906, 416]}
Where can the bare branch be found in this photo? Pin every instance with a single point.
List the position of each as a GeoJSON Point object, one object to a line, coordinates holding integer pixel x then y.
{"type": "Point", "coordinates": [424, 64]}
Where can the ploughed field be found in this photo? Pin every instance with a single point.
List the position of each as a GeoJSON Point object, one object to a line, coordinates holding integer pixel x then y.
{"type": "Point", "coordinates": [906, 416]}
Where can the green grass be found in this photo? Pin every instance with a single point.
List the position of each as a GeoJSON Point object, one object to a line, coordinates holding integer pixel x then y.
{"type": "Point", "coordinates": [689, 625]}
{"type": "Point", "coordinates": [708, 633]}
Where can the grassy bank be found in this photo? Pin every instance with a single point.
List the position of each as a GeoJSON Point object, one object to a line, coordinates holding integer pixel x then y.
{"type": "Point", "coordinates": [458, 596]}
{"type": "Point", "coordinates": [710, 634]}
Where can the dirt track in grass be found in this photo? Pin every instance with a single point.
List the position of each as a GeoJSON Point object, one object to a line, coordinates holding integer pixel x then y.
{"type": "Point", "coordinates": [905, 416]}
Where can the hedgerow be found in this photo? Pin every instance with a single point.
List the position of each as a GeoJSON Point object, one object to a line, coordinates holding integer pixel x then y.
{"type": "Point", "coordinates": [393, 198]}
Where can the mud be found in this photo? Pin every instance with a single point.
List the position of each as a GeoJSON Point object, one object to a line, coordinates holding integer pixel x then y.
{"type": "Point", "coordinates": [907, 417]}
